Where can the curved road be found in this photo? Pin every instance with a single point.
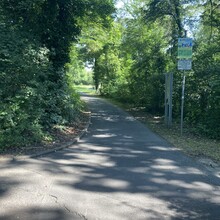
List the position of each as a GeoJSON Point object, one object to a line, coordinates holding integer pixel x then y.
{"type": "Point", "coordinates": [120, 170]}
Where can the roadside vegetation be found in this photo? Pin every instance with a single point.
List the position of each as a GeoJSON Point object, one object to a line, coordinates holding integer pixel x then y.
{"type": "Point", "coordinates": [130, 57]}
{"type": "Point", "coordinates": [37, 96]}
{"type": "Point", "coordinates": [191, 142]}
{"type": "Point", "coordinates": [87, 89]}
{"type": "Point", "coordinates": [124, 53]}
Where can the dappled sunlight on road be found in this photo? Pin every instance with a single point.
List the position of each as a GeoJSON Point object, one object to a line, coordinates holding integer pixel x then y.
{"type": "Point", "coordinates": [104, 135]}
{"type": "Point", "coordinates": [118, 171]}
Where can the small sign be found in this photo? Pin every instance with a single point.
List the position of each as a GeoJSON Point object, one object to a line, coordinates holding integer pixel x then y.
{"type": "Point", "coordinates": [184, 64]}
{"type": "Point", "coordinates": [185, 48]}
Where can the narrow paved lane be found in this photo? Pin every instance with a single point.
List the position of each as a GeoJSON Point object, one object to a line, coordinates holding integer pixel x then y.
{"type": "Point", "coordinates": [120, 170]}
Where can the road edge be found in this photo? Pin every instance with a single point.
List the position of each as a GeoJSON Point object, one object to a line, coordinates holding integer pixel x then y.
{"type": "Point", "coordinates": [55, 149]}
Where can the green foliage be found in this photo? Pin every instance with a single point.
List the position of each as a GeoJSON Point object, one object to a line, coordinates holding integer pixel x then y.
{"type": "Point", "coordinates": [132, 53]}
{"type": "Point", "coordinates": [35, 91]}
{"type": "Point", "coordinates": [46, 44]}
{"type": "Point", "coordinates": [170, 8]}
{"type": "Point", "coordinates": [76, 70]}
{"type": "Point", "coordinates": [203, 103]}
{"type": "Point", "coordinates": [148, 65]}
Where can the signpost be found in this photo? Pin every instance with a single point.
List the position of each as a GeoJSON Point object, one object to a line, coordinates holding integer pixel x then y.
{"type": "Point", "coordinates": [185, 48]}
{"type": "Point", "coordinates": [184, 63]}
{"type": "Point", "coordinates": [168, 98]}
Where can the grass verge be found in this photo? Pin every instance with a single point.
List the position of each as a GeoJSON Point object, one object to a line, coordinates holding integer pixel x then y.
{"type": "Point", "coordinates": [89, 89]}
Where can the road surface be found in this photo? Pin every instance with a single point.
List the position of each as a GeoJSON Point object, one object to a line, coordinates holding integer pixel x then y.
{"type": "Point", "coordinates": [119, 170]}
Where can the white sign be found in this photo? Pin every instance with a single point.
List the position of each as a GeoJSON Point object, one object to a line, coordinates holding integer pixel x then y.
{"type": "Point", "coordinates": [184, 64]}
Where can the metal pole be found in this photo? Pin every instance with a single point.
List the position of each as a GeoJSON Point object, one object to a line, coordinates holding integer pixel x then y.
{"type": "Point", "coordinates": [165, 101]}
{"type": "Point", "coordinates": [183, 91]}
{"type": "Point", "coordinates": [170, 99]}
{"type": "Point", "coordinates": [182, 104]}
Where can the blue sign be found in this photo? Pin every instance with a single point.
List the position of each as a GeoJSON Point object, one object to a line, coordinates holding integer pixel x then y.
{"type": "Point", "coordinates": [185, 48]}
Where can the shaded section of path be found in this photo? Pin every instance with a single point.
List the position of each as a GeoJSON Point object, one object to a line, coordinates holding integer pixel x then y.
{"type": "Point", "coordinates": [119, 170]}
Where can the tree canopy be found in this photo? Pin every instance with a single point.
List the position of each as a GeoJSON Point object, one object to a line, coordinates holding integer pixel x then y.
{"type": "Point", "coordinates": [45, 46]}
{"type": "Point", "coordinates": [131, 55]}
{"type": "Point", "coordinates": [35, 40]}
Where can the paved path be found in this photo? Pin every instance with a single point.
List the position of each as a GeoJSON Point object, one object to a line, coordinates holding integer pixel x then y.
{"type": "Point", "coordinates": [120, 171]}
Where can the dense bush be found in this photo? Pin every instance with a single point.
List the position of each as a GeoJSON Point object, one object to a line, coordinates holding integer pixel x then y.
{"type": "Point", "coordinates": [35, 92]}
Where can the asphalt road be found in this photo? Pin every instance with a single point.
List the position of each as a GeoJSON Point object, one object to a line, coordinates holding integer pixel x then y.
{"type": "Point", "coordinates": [119, 170]}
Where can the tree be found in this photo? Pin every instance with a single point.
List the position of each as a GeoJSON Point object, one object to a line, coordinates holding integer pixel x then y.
{"type": "Point", "coordinates": [206, 80]}
{"type": "Point", "coordinates": [35, 37]}
{"type": "Point", "coordinates": [100, 41]}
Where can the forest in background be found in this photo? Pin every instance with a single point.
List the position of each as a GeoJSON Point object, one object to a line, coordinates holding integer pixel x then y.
{"type": "Point", "coordinates": [46, 44]}
{"type": "Point", "coordinates": [130, 57]}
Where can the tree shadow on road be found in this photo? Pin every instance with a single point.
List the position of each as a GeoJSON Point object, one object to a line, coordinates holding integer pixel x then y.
{"type": "Point", "coordinates": [132, 171]}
